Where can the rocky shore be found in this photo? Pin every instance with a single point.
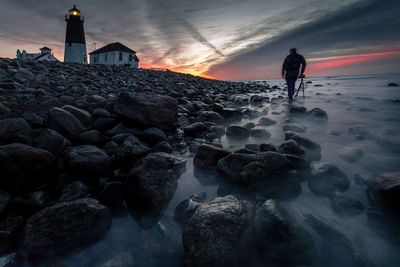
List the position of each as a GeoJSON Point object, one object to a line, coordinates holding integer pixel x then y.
{"type": "Point", "coordinates": [81, 144]}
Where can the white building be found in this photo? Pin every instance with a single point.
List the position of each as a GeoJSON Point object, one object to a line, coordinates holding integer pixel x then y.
{"type": "Point", "coordinates": [44, 55]}
{"type": "Point", "coordinates": [115, 54]}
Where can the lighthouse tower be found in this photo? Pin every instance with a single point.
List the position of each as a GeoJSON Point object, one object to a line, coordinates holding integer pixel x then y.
{"type": "Point", "coordinates": [75, 45]}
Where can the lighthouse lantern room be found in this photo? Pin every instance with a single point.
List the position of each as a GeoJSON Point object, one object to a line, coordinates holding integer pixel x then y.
{"type": "Point", "coordinates": [75, 44]}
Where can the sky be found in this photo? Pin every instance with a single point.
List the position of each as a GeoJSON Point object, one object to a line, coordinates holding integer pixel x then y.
{"type": "Point", "coordinates": [222, 39]}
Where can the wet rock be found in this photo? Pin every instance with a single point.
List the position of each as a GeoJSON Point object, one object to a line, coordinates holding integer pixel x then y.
{"type": "Point", "coordinates": [317, 113]}
{"type": "Point", "coordinates": [196, 129]}
{"type": "Point", "coordinates": [13, 127]}
{"type": "Point", "coordinates": [112, 197]}
{"type": "Point", "coordinates": [123, 259]}
{"type": "Point", "coordinates": [359, 132]}
{"type": "Point", "coordinates": [326, 178]}
{"type": "Point", "coordinates": [217, 131]}
{"type": "Point", "coordinates": [34, 120]}
{"type": "Point", "coordinates": [345, 205]}
{"type": "Point", "coordinates": [148, 110]}
{"type": "Point", "coordinates": [163, 147]}
{"type": "Point", "coordinates": [30, 203]}
{"type": "Point", "coordinates": [210, 116]}
{"type": "Point", "coordinates": [207, 156]}
{"type": "Point", "coordinates": [4, 199]}
{"type": "Point", "coordinates": [23, 166]}
{"type": "Point", "coordinates": [280, 238]}
{"type": "Point", "coordinates": [247, 169]}
{"type": "Point", "coordinates": [186, 208]}
{"type": "Point", "coordinates": [249, 125]}
{"type": "Point", "coordinates": [4, 109]}
{"type": "Point", "coordinates": [392, 84]}
{"type": "Point", "coordinates": [65, 226]}
{"type": "Point", "coordinates": [214, 235]}
{"type": "Point", "coordinates": [252, 147]}
{"type": "Point", "coordinates": [129, 152]}
{"type": "Point", "coordinates": [268, 147]}
{"type": "Point", "coordinates": [385, 188]}
{"type": "Point", "coordinates": [153, 136]}
{"type": "Point", "coordinates": [338, 236]}
{"type": "Point", "coordinates": [82, 115]}
{"type": "Point", "coordinates": [53, 142]}
{"type": "Point", "coordinates": [291, 147]}
{"type": "Point", "coordinates": [103, 124]}
{"type": "Point", "coordinates": [350, 154]}
{"type": "Point", "coordinates": [245, 151]}
{"type": "Point", "coordinates": [11, 260]}
{"type": "Point", "coordinates": [264, 121]}
{"type": "Point", "coordinates": [11, 230]}
{"type": "Point", "coordinates": [87, 160]}
{"type": "Point", "coordinates": [101, 112]}
{"type": "Point", "coordinates": [256, 99]}
{"type": "Point", "coordinates": [23, 75]}
{"type": "Point", "coordinates": [297, 110]}
{"type": "Point", "coordinates": [359, 180]}
{"type": "Point", "coordinates": [74, 191]}
{"type": "Point", "coordinates": [153, 180]}
{"type": "Point", "coordinates": [312, 149]}
{"type": "Point", "coordinates": [294, 127]}
{"type": "Point", "coordinates": [64, 123]}
{"type": "Point", "coordinates": [260, 133]}
{"type": "Point", "coordinates": [92, 137]}
{"type": "Point", "coordinates": [234, 131]}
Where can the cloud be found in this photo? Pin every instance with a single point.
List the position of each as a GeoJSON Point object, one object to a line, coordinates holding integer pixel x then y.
{"type": "Point", "coordinates": [230, 38]}
{"type": "Point", "coordinates": [360, 27]}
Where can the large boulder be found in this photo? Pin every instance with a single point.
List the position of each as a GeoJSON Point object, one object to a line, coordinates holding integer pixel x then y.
{"type": "Point", "coordinates": [312, 149]}
{"type": "Point", "coordinates": [87, 160]}
{"type": "Point", "coordinates": [345, 205]}
{"type": "Point", "coordinates": [340, 237]}
{"type": "Point", "coordinates": [280, 238]}
{"type": "Point", "coordinates": [153, 180]}
{"type": "Point", "coordinates": [196, 129]}
{"type": "Point", "coordinates": [248, 169]}
{"type": "Point", "coordinates": [326, 178]}
{"type": "Point", "coordinates": [385, 188]}
{"type": "Point", "coordinates": [148, 110]}
{"type": "Point", "coordinates": [53, 142]}
{"type": "Point", "coordinates": [11, 230]}
{"type": "Point", "coordinates": [12, 127]}
{"type": "Point", "coordinates": [234, 131]}
{"type": "Point", "coordinates": [64, 123]}
{"type": "Point", "coordinates": [82, 115]}
{"type": "Point", "coordinates": [186, 208]}
{"type": "Point", "coordinates": [129, 152]}
{"type": "Point", "coordinates": [65, 226]}
{"type": "Point", "coordinates": [208, 156]}
{"type": "Point", "coordinates": [23, 166]}
{"type": "Point", "coordinates": [214, 235]}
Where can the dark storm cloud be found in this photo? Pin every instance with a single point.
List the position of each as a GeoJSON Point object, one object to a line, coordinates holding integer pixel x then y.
{"type": "Point", "coordinates": [361, 26]}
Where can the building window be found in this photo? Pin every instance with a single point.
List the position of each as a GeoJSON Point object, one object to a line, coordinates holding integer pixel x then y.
{"type": "Point", "coordinates": [120, 55]}
{"type": "Point", "coordinates": [106, 57]}
{"type": "Point", "coordinates": [130, 57]}
{"type": "Point", "coordinates": [95, 58]}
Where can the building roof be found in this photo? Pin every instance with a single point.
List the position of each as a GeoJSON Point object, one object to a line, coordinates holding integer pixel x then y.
{"type": "Point", "coordinates": [74, 9]}
{"type": "Point", "coordinates": [113, 47]}
{"type": "Point", "coordinates": [45, 48]}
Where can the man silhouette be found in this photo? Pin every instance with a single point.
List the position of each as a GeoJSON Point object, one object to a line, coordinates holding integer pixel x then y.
{"type": "Point", "coordinates": [290, 70]}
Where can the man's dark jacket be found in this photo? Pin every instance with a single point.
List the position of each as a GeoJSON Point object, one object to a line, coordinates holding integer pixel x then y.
{"type": "Point", "coordinates": [292, 64]}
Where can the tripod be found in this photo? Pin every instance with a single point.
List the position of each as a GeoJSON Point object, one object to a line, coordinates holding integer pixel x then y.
{"type": "Point", "coordinates": [301, 87]}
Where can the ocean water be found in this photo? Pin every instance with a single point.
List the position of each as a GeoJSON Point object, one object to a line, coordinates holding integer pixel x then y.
{"type": "Point", "coordinates": [358, 101]}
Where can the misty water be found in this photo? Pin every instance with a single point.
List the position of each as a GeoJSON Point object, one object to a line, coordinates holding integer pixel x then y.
{"type": "Point", "coordinates": [364, 101]}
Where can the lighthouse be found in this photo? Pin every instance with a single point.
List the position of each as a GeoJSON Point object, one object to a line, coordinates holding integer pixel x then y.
{"type": "Point", "coordinates": [75, 45]}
